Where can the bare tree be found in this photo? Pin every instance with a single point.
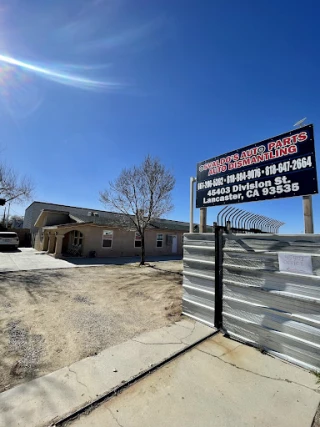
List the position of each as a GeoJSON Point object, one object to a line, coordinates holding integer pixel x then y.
{"type": "Point", "coordinates": [141, 193]}
{"type": "Point", "coordinates": [14, 187]}
{"type": "Point", "coordinates": [15, 221]}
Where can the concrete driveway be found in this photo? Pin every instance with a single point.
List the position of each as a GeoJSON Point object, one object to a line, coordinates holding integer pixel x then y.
{"type": "Point", "coordinates": [29, 259]}
{"type": "Point", "coordinates": [219, 383]}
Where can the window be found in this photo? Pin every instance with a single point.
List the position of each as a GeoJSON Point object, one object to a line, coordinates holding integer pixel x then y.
{"type": "Point", "coordinates": [77, 238]}
{"type": "Point", "coordinates": [159, 240]}
{"type": "Point", "coordinates": [137, 240]}
{"type": "Point", "coordinates": [107, 237]}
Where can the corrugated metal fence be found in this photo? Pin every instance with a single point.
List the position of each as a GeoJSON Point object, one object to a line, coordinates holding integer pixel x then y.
{"type": "Point", "coordinates": [199, 277]}
{"type": "Point", "coordinates": [273, 310]}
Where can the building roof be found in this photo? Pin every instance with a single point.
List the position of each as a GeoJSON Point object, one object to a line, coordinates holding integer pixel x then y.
{"type": "Point", "coordinates": [112, 220]}
{"type": "Point", "coordinates": [67, 206]}
{"type": "Point", "coordinates": [120, 220]}
{"type": "Point", "coordinates": [116, 220]}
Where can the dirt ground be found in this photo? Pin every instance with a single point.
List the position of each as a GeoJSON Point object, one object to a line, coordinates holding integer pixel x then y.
{"type": "Point", "coordinates": [52, 318]}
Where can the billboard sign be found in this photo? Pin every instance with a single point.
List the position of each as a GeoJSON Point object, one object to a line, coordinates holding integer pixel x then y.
{"type": "Point", "coordinates": [282, 166]}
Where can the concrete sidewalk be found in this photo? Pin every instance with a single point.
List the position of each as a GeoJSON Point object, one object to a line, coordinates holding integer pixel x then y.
{"type": "Point", "coordinates": [218, 383]}
{"type": "Point", "coordinates": [52, 397]}
{"type": "Point", "coordinates": [29, 259]}
{"type": "Point", "coordinates": [25, 259]}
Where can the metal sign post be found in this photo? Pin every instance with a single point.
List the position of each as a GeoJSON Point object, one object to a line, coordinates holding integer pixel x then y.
{"type": "Point", "coordinates": [203, 220]}
{"type": "Point", "coordinates": [192, 181]}
{"type": "Point", "coordinates": [307, 200]}
{"type": "Point", "coordinates": [308, 214]}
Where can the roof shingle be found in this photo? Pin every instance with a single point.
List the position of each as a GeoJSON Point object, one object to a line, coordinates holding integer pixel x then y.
{"type": "Point", "coordinates": [120, 220]}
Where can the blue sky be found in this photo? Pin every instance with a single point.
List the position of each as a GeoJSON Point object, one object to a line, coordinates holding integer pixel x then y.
{"type": "Point", "coordinates": [88, 87]}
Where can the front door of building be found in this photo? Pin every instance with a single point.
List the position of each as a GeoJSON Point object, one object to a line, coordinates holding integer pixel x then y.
{"type": "Point", "coordinates": [174, 244]}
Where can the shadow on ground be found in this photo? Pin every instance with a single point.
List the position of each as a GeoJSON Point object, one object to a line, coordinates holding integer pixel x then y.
{"type": "Point", "coordinates": [119, 261]}
{"type": "Point", "coordinates": [33, 283]}
{"type": "Point", "coordinates": [7, 249]}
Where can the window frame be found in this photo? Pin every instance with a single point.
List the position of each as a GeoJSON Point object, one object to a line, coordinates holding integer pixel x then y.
{"type": "Point", "coordinates": [110, 232]}
{"type": "Point", "coordinates": [159, 240]}
{"type": "Point", "coordinates": [77, 238]}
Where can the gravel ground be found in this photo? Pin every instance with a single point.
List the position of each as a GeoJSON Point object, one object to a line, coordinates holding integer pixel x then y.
{"type": "Point", "coordinates": [28, 346]}
{"type": "Point", "coordinates": [50, 319]}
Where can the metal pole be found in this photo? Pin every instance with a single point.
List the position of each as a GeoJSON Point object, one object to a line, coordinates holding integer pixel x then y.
{"type": "Point", "coordinates": [192, 180]}
{"type": "Point", "coordinates": [307, 203]}
{"type": "Point", "coordinates": [224, 216]}
{"type": "Point", "coordinates": [248, 220]}
{"type": "Point", "coordinates": [225, 209]}
{"type": "Point", "coordinates": [308, 214]}
{"type": "Point", "coordinates": [203, 220]}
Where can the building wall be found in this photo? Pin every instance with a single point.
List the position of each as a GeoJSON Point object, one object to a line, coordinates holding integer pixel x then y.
{"type": "Point", "coordinates": [56, 218]}
{"type": "Point", "coordinates": [122, 242]}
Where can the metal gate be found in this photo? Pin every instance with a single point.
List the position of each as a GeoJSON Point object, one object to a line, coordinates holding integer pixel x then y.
{"type": "Point", "coordinates": [232, 282]}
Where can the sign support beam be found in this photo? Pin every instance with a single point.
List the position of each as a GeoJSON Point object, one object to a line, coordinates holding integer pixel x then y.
{"type": "Point", "coordinates": [192, 180]}
{"type": "Point", "coordinates": [203, 220]}
{"type": "Point", "coordinates": [308, 214]}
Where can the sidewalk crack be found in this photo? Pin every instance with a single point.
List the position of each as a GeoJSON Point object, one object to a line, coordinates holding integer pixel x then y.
{"type": "Point", "coordinates": [169, 343]}
{"type": "Point", "coordinates": [78, 381]}
{"type": "Point", "coordinates": [191, 332]}
{"type": "Point", "coordinates": [181, 326]}
{"type": "Point", "coordinates": [115, 418]}
{"type": "Point", "coordinates": [256, 373]}
{"type": "Point", "coordinates": [183, 338]}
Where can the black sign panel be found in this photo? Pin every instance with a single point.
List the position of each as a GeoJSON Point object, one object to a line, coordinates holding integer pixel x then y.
{"type": "Point", "coordinates": [283, 166]}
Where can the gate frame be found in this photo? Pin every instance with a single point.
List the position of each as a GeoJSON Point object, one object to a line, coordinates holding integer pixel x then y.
{"type": "Point", "coordinates": [218, 279]}
{"type": "Point", "coordinates": [219, 231]}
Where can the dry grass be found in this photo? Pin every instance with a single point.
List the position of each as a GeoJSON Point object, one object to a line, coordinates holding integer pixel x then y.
{"type": "Point", "coordinates": [50, 319]}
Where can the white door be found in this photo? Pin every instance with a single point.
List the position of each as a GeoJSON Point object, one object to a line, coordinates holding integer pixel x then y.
{"type": "Point", "coordinates": [174, 244]}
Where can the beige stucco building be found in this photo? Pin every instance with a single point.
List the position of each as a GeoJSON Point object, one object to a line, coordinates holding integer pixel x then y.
{"type": "Point", "coordinates": [102, 234]}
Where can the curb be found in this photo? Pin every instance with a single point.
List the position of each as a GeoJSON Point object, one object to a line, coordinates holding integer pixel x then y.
{"type": "Point", "coordinates": [61, 422]}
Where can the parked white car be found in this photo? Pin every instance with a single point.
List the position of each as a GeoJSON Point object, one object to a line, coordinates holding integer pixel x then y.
{"type": "Point", "coordinates": [9, 239]}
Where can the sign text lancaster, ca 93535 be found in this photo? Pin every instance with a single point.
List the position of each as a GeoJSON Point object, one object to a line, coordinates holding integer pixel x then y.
{"type": "Point", "coordinates": [283, 166]}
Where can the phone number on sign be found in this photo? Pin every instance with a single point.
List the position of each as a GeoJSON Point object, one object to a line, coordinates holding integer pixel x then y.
{"type": "Point", "coordinates": [287, 166]}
